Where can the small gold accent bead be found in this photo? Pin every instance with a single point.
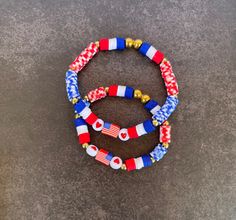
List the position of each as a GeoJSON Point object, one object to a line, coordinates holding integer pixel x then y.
{"type": "Point", "coordinates": [74, 100]}
{"type": "Point", "coordinates": [77, 116]}
{"type": "Point", "coordinates": [153, 160]}
{"type": "Point", "coordinates": [106, 89]}
{"type": "Point", "coordinates": [123, 166]}
{"type": "Point", "coordinates": [129, 42]}
{"type": "Point", "coordinates": [166, 123]}
{"type": "Point", "coordinates": [145, 98]}
{"type": "Point", "coordinates": [155, 123]}
{"type": "Point", "coordinates": [137, 94]}
{"type": "Point", "coordinates": [166, 145]}
{"type": "Point", "coordinates": [86, 98]}
{"type": "Point", "coordinates": [97, 44]}
{"type": "Point", "coordinates": [137, 43]}
{"type": "Point", "coordinates": [85, 145]}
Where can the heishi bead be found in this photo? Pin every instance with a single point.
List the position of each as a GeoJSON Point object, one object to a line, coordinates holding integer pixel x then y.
{"type": "Point", "coordinates": [116, 163]}
{"type": "Point", "coordinates": [158, 152]}
{"type": "Point", "coordinates": [123, 134]}
{"type": "Point", "coordinates": [86, 55]}
{"type": "Point", "coordinates": [141, 129]}
{"type": "Point", "coordinates": [169, 78]}
{"type": "Point", "coordinates": [152, 106]}
{"type": "Point", "coordinates": [111, 129]}
{"type": "Point", "coordinates": [92, 150]}
{"type": "Point", "coordinates": [139, 163]}
{"type": "Point", "coordinates": [165, 136]}
{"type": "Point", "coordinates": [82, 131]}
{"type": "Point", "coordinates": [98, 125]}
{"type": "Point", "coordinates": [149, 51]}
{"type": "Point", "coordinates": [82, 109]}
{"type": "Point", "coordinates": [104, 156]}
{"type": "Point", "coordinates": [166, 110]}
{"type": "Point", "coordinates": [97, 94]}
{"type": "Point", "coordinates": [112, 44]}
{"type": "Point", "coordinates": [72, 85]}
{"type": "Point", "coordinates": [121, 91]}
{"type": "Point", "coordinates": [130, 164]}
{"type": "Point", "coordinates": [147, 162]}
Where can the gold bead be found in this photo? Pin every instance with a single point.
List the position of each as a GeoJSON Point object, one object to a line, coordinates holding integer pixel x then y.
{"type": "Point", "coordinates": [97, 44]}
{"type": "Point", "coordinates": [123, 166]}
{"type": "Point", "coordinates": [145, 98]}
{"type": "Point", "coordinates": [85, 145]}
{"type": "Point", "coordinates": [129, 42]}
{"type": "Point", "coordinates": [153, 160]}
{"type": "Point", "coordinates": [77, 116]}
{"type": "Point", "coordinates": [74, 100]}
{"type": "Point", "coordinates": [137, 43]}
{"type": "Point", "coordinates": [155, 123]}
{"type": "Point", "coordinates": [106, 89]}
{"type": "Point", "coordinates": [166, 145]}
{"type": "Point", "coordinates": [86, 98]}
{"type": "Point", "coordinates": [166, 123]}
{"type": "Point", "coordinates": [137, 94]}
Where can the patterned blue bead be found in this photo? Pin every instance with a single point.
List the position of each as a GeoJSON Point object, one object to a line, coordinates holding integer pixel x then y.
{"type": "Point", "coordinates": [166, 110]}
{"type": "Point", "coordinates": [72, 85]}
{"type": "Point", "coordinates": [158, 152]}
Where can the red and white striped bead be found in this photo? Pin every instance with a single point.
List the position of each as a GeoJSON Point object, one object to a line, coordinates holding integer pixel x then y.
{"type": "Point", "coordinates": [86, 55]}
{"type": "Point", "coordinates": [83, 134]}
{"type": "Point", "coordinates": [97, 94]}
{"type": "Point", "coordinates": [169, 78]}
{"type": "Point", "coordinates": [165, 136]}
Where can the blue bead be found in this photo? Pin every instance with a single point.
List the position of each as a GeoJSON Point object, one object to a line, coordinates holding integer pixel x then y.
{"type": "Point", "coordinates": [120, 43]}
{"type": "Point", "coordinates": [147, 162]}
{"type": "Point", "coordinates": [158, 152]}
{"type": "Point", "coordinates": [144, 48]}
{"type": "Point", "coordinates": [79, 106]}
{"type": "Point", "coordinates": [150, 105]}
{"type": "Point", "coordinates": [79, 122]}
{"type": "Point", "coordinates": [148, 126]}
{"type": "Point", "coordinates": [129, 91]}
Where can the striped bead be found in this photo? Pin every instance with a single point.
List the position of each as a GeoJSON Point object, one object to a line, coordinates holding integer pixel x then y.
{"type": "Point", "coordinates": [82, 131]}
{"type": "Point", "coordinates": [121, 91]}
{"type": "Point", "coordinates": [149, 51]}
{"type": "Point", "coordinates": [165, 136]}
{"type": "Point", "coordinates": [166, 110]}
{"type": "Point", "coordinates": [112, 44]}
{"type": "Point", "coordinates": [72, 85]}
{"type": "Point", "coordinates": [152, 106]}
{"type": "Point", "coordinates": [158, 152]}
{"type": "Point", "coordinates": [141, 129]}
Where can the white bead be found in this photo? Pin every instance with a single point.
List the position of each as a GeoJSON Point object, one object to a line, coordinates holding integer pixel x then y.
{"type": "Point", "coordinates": [92, 150]}
{"type": "Point", "coordinates": [116, 163]}
{"type": "Point", "coordinates": [123, 134]}
{"type": "Point", "coordinates": [98, 125]}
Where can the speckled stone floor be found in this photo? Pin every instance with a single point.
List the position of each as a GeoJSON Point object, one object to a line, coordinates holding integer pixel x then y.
{"type": "Point", "coordinates": [44, 173]}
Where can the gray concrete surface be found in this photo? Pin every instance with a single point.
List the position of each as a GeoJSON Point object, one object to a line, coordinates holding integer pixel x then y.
{"type": "Point", "coordinates": [44, 173]}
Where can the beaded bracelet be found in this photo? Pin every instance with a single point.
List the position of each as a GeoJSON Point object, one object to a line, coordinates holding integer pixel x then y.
{"type": "Point", "coordinates": [116, 162]}
{"type": "Point", "coordinates": [85, 116]}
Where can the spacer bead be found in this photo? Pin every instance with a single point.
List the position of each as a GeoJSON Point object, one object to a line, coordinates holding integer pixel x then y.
{"type": "Point", "coordinates": [85, 145]}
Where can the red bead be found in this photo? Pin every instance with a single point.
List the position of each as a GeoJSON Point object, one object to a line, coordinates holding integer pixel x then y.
{"type": "Point", "coordinates": [104, 44]}
{"type": "Point", "coordinates": [130, 164]}
{"type": "Point", "coordinates": [91, 118]}
{"type": "Point", "coordinates": [84, 138]}
{"type": "Point", "coordinates": [158, 57]}
{"type": "Point", "coordinates": [132, 132]}
{"type": "Point", "coordinates": [113, 90]}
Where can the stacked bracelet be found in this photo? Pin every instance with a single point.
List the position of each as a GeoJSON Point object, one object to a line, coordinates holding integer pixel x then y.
{"type": "Point", "coordinates": [84, 115]}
